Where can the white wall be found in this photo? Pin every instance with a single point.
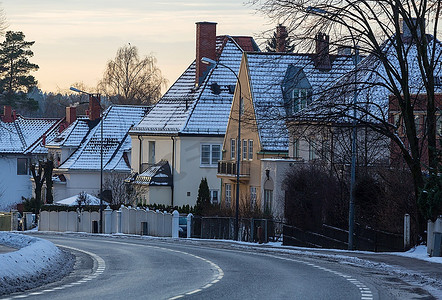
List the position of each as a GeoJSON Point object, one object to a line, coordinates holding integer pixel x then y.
{"type": "Point", "coordinates": [76, 183]}
{"type": "Point", "coordinates": [187, 173]}
{"type": "Point", "coordinates": [12, 186]}
{"type": "Point", "coordinates": [278, 168]}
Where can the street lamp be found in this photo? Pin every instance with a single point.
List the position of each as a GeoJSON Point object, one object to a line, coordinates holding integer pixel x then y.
{"type": "Point", "coordinates": [97, 98]}
{"type": "Point", "coordinates": [209, 61]}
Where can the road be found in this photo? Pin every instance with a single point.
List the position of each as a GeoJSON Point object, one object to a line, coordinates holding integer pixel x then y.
{"type": "Point", "coordinates": [135, 268]}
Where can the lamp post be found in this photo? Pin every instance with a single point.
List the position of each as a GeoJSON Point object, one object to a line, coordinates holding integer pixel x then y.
{"type": "Point", "coordinates": [209, 61]}
{"type": "Point", "coordinates": [96, 97]}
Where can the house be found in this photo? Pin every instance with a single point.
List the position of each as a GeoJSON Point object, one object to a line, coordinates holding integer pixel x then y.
{"type": "Point", "coordinates": [77, 150]}
{"type": "Point", "coordinates": [275, 86]}
{"type": "Point", "coordinates": [22, 143]}
{"type": "Point", "coordinates": [179, 142]}
{"type": "Point", "coordinates": [420, 112]}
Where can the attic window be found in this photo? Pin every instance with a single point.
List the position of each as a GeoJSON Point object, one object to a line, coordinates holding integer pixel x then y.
{"type": "Point", "coordinates": [300, 98]}
{"type": "Point", "coordinates": [215, 88]}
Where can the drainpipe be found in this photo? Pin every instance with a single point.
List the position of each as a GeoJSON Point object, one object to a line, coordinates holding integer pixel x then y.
{"type": "Point", "coordinates": [140, 168]}
{"type": "Point", "coordinates": [173, 166]}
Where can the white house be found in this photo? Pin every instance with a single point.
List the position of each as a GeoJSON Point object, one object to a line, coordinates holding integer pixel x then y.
{"type": "Point", "coordinates": [181, 137]}
{"type": "Point", "coordinates": [77, 150]}
{"type": "Point", "coordinates": [22, 142]}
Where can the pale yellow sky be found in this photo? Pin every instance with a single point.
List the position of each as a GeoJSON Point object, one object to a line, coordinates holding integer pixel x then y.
{"type": "Point", "coordinates": [74, 39]}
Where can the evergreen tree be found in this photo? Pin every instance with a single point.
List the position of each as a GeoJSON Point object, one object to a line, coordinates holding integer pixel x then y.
{"type": "Point", "coordinates": [271, 44]}
{"type": "Point", "coordinates": [15, 80]}
{"type": "Point", "coordinates": [203, 200]}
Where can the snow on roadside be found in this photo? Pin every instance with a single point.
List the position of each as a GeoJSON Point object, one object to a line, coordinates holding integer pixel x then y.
{"type": "Point", "coordinates": [35, 262]}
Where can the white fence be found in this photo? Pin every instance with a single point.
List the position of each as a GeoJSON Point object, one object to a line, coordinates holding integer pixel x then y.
{"type": "Point", "coordinates": [125, 220]}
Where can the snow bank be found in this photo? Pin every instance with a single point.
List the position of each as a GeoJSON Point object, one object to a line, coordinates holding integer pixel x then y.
{"type": "Point", "coordinates": [36, 262]}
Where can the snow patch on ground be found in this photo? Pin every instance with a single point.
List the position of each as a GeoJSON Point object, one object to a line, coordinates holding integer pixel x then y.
{"type": "Point", "coordinates": [36, 262]}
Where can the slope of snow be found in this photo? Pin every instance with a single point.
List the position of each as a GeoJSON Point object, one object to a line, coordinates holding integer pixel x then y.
{"type": "Point", "coordinates": [36, 262]}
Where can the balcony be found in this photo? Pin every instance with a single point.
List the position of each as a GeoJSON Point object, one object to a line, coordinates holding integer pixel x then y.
{"type": "Point", "coordinates": [227, 168]}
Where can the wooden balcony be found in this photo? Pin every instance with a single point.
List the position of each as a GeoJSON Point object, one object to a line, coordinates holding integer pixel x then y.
{"type": "Point", "coordinates": [227, 169]}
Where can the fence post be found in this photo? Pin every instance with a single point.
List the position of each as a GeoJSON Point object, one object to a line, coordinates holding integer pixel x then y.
{"type": "Point", "coordinates": [266, 237]}
{"type": "Point", "coordinates": [189, 225]}
{"type": "Point", "coordinates": [430, 230]}
{"type": "Point", "coordinates": [406, 231]}
{"type": "Point", "coordinates": [175, 224]}
{"type": "Point", "coordinates": [108, 220]}
{"type": "Point", "coordinates": [118, 221]}
{"type": "Point", "coordinates": [252, 229]}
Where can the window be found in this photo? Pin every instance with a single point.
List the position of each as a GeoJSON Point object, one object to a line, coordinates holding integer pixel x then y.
{"type": "Point", "coordinates": [252, 197]}
{"type": "Point", "coordinates": [210, 154]}
{"type": "Point", "coordinates": [244, 149]}
{"type": "Point", "coordinates": [439, 125]}
{"type": "Point", "coordinates": [228, 194]}
{"type": "Point", "coordinates": [268, 199]}
{"type": "Point", "coordinates": [214, 196]}
{"type": "Point", "coordinates": [312, 154]}
{"type": "Point", "coordinates": [232, 149]}
{"type": "Point", "coordinates": [301, 98]}
{"type": "Point", "coordinates": [151, 152]}
{"type": "Point", "coordinates": [250, 149]}
{"type": "Point", "coordinates": [417, 124]}
{"type": "Point", "coordinates": [22, 166]}
{"type": "Point", "coordinates": [296, 148]}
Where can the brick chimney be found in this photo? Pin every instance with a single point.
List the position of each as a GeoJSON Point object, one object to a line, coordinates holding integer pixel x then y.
{"type": "Point", "coordinates": [7, 114]}
{"type": "Point", "coordinates": [281, 38]}
{"type": "Point", "coordinates": [71, 114]}
{"type": "Point", "coordinates": [94, 107]}
{"type": "Point", "coordinates": [205, 47]}
{"type": "Point", "coordinates": [322, 59]}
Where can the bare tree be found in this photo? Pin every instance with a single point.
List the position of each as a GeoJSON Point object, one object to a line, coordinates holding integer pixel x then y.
{"type": "Point", "coordinates": [122, 193]}
{"type": "Point", "coordinates": [131, 80]}
{"type": "Point", "coordinates": [402, 64]}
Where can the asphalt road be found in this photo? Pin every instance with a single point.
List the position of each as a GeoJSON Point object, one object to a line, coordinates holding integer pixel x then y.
{"type": "Point", "coordinates": [135, 268]}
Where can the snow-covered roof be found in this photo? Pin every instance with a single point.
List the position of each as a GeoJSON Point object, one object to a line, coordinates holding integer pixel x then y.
{"type": "Point", "coordinates": [25, 135]}
{"type": "Point", "coordinates": [373, 86]}
{"type": "Point", "coordinates": [267, 74]}
{"type": "Point", "coordinates": [72, 201]}
{"type": "Point", "coordinates": [158, 174]}
{"type": "Point", "coordinates": [86, 135]}
{"type": "Point", "coordinates": [186, 109]}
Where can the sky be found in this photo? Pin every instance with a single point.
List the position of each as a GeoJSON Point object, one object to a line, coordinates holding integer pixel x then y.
{"type": "Point", "coordinates": [74, 39]}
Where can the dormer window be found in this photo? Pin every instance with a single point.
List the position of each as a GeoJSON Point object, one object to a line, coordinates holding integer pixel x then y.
{"type": "Point", "coordinates": [300, 98]}
{"type": "Point", "coordinates": [296, 89]}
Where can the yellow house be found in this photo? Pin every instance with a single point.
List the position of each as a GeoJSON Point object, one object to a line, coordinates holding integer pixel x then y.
{"type": "Point", "coordinates": [272, 87]}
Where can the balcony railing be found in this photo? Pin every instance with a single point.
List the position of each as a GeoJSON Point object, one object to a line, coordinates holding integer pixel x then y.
{"type": "Point", "coordinates": [228, 167]}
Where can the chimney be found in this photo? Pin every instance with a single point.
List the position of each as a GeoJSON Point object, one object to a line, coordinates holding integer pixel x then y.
{"type": "Point", "coordinates": [14, 115]}
{"type": "Point", "coordinates": [94, 107]}
{"type": "Point", "coordinates": [7, 114]}
{"type": "Point", "coordinates": [43, 139]}
{"type": "Point", "coordinates": [205, 47]}
{"type": "Point", "coordinates": [405, 29]}
{"type": "Point", "coordinates": [71, 114]}
{"type": "Point", "coordinates": [281, 38]}
{"type": "Point", "coordinates": [322, 59]}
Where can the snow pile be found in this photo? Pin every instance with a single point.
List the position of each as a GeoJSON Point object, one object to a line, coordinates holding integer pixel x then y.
{"type": "Point", "coordinates": [35, 262]}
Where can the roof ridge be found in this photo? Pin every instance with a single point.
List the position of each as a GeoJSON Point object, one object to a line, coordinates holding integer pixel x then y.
{"type": "Point", "coordinates": [52, 127]}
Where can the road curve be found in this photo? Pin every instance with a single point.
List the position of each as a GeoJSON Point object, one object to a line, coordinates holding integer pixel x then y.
{"type": "Point", "coordinates": [135, 268]}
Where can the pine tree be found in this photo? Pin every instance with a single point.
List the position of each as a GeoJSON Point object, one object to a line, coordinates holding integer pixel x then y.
{"type": "Point", "coordinates": [271, 44]}
{"type": "Point", "coordinates": [203, 200]}
{"type": "Point", "coordinates": [15, 80]}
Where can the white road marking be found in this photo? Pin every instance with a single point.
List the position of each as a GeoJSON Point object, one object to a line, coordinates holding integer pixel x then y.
{"type": "Point", "coordinates": [101, 266]}
{"type": "Point", "coordinates": [219, 274]}
{"type": "Point", "coordinates": [365, 291]}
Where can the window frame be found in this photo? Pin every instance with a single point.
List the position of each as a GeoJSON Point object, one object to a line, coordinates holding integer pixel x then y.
{"type": "Point", "coordinates": [228, 194]}
{"type": "Point", "coordinates": [250, 150]}
{"type": "Point", "coordinates": [232, 148]}
{"type": "Point", "coordinates": [26, 166]}
{"type": "Point", "coordinates": [211, 157]}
